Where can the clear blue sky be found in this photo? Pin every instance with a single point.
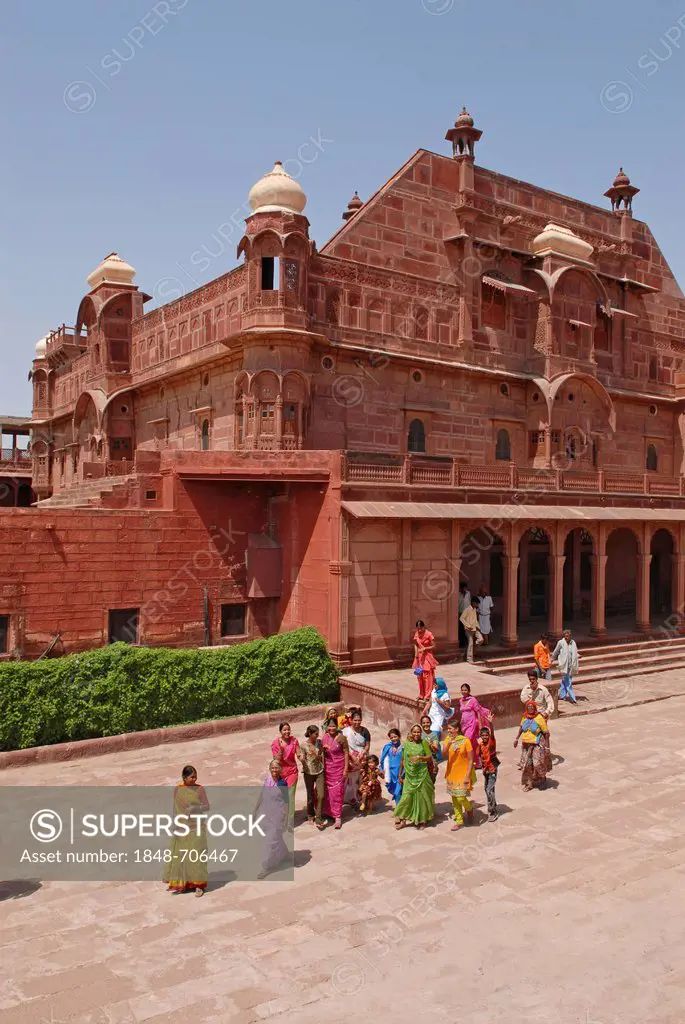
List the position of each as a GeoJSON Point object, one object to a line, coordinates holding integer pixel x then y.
{"type": "Point", "coordinates": [178, 117]}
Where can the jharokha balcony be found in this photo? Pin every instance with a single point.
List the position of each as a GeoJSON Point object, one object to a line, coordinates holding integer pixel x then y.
{"type": "Point", "coordinates": [448, 473]}
{"type": "Point", "coordinates": [64, 344]}
{"type": "Point", "coordinates": [15, 461]}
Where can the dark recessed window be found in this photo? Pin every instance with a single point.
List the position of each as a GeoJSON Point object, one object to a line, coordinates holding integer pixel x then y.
{"type": "Point", "coordinates": [205, 436]}
{"type": "Point", "coordinates": [4, 633]}
{"type": "Point", "coordinates": [417, 376]}
{"type": "Point", "coordinates": [652, 460]}
{"type": "Point", "coordinates": [233, 619]}
{"type": "Point", "coordinates": [269, 273]}
{"type": "Point", "coordinates": [123, 625]}
{"type": "Point", "coordinates": [151, 495]}
{"type": "Point", "coordinates": [416, 441]}
{"type": "Point", "coordinates": [205, 380]}
{"type": "Point", "coordinates": [503, 446]}
{"type": "Point", "coordinates": [504, 390]}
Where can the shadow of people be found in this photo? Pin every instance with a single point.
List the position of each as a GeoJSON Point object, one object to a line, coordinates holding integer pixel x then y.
{"type": "Point", "coordinates": [218, 883]}
{"type": "Point", "coordinates": [301, 857]}
{"type": "Point", "coordinates": [18, 889]}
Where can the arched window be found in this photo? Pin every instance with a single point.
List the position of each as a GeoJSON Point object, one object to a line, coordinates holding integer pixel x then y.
{"type": "Point", "coordinates": [416, 441]}
{"type": "Point", "coordinates": [503, 446]}
{"type": "Point", "coordinates": [652, 461]}
{"type": "Point", "coordinates": [204, 442]}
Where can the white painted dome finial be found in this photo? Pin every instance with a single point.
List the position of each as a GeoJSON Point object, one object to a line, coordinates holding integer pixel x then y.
{"type": "Point", "coordinates": [277, 192]}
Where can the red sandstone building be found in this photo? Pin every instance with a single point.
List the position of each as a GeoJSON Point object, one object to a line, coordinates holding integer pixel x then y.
{"type": "Point", "coordinates": [474, 378]}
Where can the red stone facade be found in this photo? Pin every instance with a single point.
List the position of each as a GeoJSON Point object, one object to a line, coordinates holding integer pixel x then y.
{"type": "Point", "coordinates": [465, 340]}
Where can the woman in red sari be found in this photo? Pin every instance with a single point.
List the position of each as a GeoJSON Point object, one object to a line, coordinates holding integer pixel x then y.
{"type": "Point", "coordinates": [285, 748]}
{"type": "Point", "coordinates": [335, 771]}
{"type": "Point", "coordinates": [424, 659]}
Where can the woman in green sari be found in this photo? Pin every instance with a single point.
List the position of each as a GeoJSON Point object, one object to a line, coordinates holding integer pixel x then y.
{"type": "Point", "coordinates": [187, 870]}
{"type": "Point", "coordinates": [417, 803]}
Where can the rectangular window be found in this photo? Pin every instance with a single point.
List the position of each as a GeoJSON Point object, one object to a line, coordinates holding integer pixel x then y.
{"type": "Point", "coordinates": [151, 495]}
{"type": "Point", "coordinates": [123, 625]}
{"type": "Point", "coordinates": [4, 633]}
{"type": "Point", "coordinates": [494, 308]}
{"type": "Point", "coordinates": [270, 272]}
{"type": "Point", "coordinates": [233, 619]}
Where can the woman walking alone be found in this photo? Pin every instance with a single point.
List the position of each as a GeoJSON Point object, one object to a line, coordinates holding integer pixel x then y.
{"type": "Point", "coordinates": [417, 803]}
{"type": "Point", "coordinates": [424, 663]}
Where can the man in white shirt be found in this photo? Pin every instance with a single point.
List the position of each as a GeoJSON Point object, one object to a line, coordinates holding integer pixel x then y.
{"type": "Point", "coordinates": [464, 603]}
{"type": "Point", "coordinates": [485, 606]}
{"type": "Point", "coordinates": [537, 691]}
{"type": "Point", "coordinates": [565, 655]}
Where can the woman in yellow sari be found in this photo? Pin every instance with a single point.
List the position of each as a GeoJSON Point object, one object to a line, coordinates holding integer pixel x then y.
{"type": "Point", "coordinates": [187, 870]}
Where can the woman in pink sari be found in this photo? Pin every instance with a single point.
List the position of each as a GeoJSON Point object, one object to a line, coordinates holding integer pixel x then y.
{"type": "Point", "coordinates": [335, 771]}
{"type": "Point", "coordinates": [284, 748]}
{"type": "Point", "coordinates": [424, 659]}
{"type": "Point", "coordinates": [473, 717]}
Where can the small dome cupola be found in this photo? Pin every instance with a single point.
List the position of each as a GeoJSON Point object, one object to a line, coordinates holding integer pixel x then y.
{"type": "Point", "coordinates": [621, 192]}
{"type": "Point", "coordinates": [277, 192]}
{"type": "Point", "coordinates": [41, 348]}
{"type": "Point", "coordinates": [112, 270]}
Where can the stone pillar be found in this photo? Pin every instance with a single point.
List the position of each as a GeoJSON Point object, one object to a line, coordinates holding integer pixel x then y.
{"type": "Point", "coordinates": [576, 547]}
{"type": "Point", "coordinates": [643, 623]}
{"type": "Point", "coordinates": [678, 587]}
{"type": "Point", "coordinates": [404, 624]}
{"type": "Point", "coordinates": [340, 568]}
{"type": "Point", "coordinates": [548, 446]}
{"type": "Point", "coordinates": [599, 589]}
{"type": "Point", "coordinates": [556, 604]}
{"type": "Point", "coordinates": [455, 579]}
{"type": "Point", "coordinates": [525, 588]}
{"type": "Point", "coordinates": [509, 627]}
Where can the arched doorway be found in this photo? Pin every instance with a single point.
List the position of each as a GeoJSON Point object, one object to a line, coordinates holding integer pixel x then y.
{"type": "Point", "coordinates": [621, 576]}
{"type": "Point", "coordinates": [662, 550]}
{"type": "Point", "coordinates": [535, 547]}
{"type": "Point", "coordinates": [25, 496]}
{"type": "Point", "coordinates": [482, 564]}
{"type": "Point", "coordinates": [578, 551]}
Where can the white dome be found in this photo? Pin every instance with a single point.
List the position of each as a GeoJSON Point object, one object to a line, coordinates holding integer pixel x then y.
{"type": "Point", "coordinates": [41, 348]}
{"type": "Point", "coordinates": [277, 192]}
{"type": "Point", "coordinates": [112, 270]}
{"type": "Point", "coordinates": [558, 241]}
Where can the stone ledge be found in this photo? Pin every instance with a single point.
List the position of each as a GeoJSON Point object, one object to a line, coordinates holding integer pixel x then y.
{"type": "Point", "coordinates": [155, 737]}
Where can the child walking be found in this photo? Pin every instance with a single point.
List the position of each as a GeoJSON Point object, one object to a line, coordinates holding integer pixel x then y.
{"type": "Point", "coordinates": [487, 748]}
{"type": "Point", "coordinates": [392, 755]}
{"type": "Point", "coordinates": [312, 758]}
{"type": "Point", "coordinates": [369, 784]}
{"type": "Point", "coordinates": [458, 752]}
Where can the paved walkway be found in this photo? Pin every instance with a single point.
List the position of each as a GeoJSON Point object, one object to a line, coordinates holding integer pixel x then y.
{"type": "Point", "coordinates": [568, 909]}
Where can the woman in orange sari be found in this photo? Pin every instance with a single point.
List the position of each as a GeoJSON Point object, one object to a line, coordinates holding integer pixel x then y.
{"type": "Point", "coordinates": [187, 869]}
{"type": "Point", "coordinates": [424, 663]}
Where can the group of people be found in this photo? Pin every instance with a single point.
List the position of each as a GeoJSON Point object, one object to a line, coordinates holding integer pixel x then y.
{"type": "Point", "coordinates": [475, 619]}
{"type": "Point", "coordinates": [338, 769]}
{"type": "Point", "coordinates": [564, 656]}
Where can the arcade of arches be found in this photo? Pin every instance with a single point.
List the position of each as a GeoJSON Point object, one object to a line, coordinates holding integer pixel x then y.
{"type": "Point", "coordinates": [598, 578]}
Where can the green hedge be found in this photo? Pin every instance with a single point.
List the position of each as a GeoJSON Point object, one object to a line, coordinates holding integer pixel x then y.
{"type": "Point", "coordinates": [121, 689]}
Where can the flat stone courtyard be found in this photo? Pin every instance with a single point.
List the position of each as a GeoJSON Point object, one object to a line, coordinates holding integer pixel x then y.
{"type": "Point", "coordinates": [569, 909]}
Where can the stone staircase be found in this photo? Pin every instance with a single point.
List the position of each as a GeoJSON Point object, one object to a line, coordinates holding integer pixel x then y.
{"type": "Point", "coordinates": [607, 660]}
{"type": "Point", "coordinates": [87, 494]}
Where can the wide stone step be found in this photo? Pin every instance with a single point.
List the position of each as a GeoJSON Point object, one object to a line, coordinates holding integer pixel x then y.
{"type": "Point", "coordinates": [636, 648]}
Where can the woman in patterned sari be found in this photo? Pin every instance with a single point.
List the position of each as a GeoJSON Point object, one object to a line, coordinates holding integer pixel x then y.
{"type": "Point", "coordinates": [473, 717]}
{"type": "Point", "coordinates": [358, 741]}
{"type": "Point", "coordinates": [187, 870]}
{"type": "Point", "coordinates": [536, 756]}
